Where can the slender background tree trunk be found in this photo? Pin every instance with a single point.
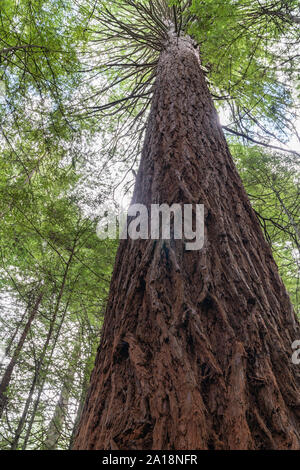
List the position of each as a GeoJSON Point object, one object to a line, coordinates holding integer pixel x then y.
{"type": "Point", "coordinates": [196, 345]}
{"type": "Point", "coordinates": [41, 385]}
{"type": "Point", "coordinates": [41, 359]}
{"type": "Point", "coordinates": [10, 368]}
{"type": "Point", "coordinates": [61, 409]}
{"type": "Point", "coordinates": [84, 389]}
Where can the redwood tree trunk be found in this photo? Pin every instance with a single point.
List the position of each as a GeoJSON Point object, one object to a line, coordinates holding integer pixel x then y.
{"type": "Point", "coordinates": [196, 345]}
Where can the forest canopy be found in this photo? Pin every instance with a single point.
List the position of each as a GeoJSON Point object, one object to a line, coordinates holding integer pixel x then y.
{"type": "Point", "coordinates": [76, 84]}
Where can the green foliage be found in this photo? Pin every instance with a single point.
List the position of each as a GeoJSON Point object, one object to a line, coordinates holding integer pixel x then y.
{"type": "Point", "coordinates": [247, 53]}
{"type": "Point", "coordinates": [37, 45]}
{"type": "Point", "coordinates": [76, 81]}
{"type": "Point", "coordinates": [272, 183]}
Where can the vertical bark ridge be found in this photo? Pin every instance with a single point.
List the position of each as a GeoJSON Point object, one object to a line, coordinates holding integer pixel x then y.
{"type": "Point", "coordinates": [196, 345]}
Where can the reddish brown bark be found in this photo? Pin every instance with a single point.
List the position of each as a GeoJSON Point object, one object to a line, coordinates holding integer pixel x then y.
{"type": "Point", "coordinates": [196, 345]}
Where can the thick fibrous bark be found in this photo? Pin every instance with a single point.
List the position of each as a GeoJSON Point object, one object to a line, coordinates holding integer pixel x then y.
{"type": "Point", "coordinates": [196, 345]}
